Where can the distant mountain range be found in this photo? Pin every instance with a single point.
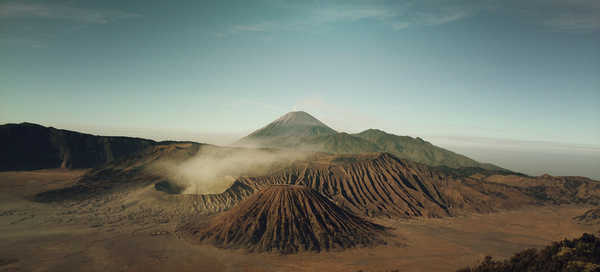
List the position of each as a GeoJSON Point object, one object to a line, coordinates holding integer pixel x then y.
{"type": "Point", "coordinates": [300, 130]}
{"type": "Point", "coordinates": [28, 146]}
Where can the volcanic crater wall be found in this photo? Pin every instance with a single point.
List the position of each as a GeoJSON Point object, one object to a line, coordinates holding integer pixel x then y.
{"type": "Point", "coordinates": [287, 219]}
{"type": "Point", "coordinates": [383, 185]}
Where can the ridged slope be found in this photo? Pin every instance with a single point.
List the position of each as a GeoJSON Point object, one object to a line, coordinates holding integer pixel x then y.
{"type": "Point", "coordinates": [368, 185]}
{"type": "Point", "coordinates": [288, 219]}
{"type": "Point", "coordinates": [383, 185]}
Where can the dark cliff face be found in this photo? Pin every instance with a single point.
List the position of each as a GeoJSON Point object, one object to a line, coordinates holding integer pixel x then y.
{"type": "Point", "coordinates": [28, 146]}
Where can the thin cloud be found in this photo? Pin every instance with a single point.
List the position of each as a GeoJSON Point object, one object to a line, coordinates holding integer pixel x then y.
{"type": "Point", "coordinates": [350, 13]}
{"type": "Point", "coordinates": [557, 15]}
{"type": "Point", "coordinates": [17, 10]}
{"type": "Point", "coordinates": [397, 16]}
{"type": "Point", "coordinates": [432, 18]}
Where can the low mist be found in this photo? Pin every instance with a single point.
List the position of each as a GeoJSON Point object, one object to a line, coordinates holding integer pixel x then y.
{"type": "Point", "coordinates": [213, 169]}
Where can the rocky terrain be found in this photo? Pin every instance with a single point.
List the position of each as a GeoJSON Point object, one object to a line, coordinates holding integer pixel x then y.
{"type": "Point", "coordinates": [590, 217]}
{"type": "Point", "coordinates": [287, 219]}
{"type": "Point", "coordinates": [139, 229]}
{"type": "Point", "coordinates": [373, 185]}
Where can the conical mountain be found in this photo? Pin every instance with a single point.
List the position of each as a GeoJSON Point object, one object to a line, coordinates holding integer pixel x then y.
{"type": "Point", "coordinates": [290, 129]}
{"type": "Point", "coordinates": [301, 131]}
{"type": "Point", "coordinates": [287, 219]}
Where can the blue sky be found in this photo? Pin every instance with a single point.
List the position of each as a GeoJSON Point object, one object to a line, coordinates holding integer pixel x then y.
{"type": "Point", "coordinates": [525, 71]}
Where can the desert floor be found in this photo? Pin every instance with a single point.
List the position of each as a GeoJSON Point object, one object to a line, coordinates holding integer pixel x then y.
{"type": "Point", "coordinates": [120, 234]}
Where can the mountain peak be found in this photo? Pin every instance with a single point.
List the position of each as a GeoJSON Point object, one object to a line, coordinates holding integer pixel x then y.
{"type": "Point", "coordinates": [373, 131]}
{"type": "Point", "coordinates": [299, 118]}
{"type": "Point", "coordinates": [288, 129]}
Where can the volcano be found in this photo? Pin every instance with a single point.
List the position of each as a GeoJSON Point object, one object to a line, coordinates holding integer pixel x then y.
{"type": "Point", "coordinates": [288, 130]}
{"type": "Point", "coordinates": [301, 131]}
{"type": "Point", "coordinates": [287, 219]}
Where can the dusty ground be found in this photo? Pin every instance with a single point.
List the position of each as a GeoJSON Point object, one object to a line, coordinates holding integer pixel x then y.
{"type": "Point", "coordinates": [134, 232]}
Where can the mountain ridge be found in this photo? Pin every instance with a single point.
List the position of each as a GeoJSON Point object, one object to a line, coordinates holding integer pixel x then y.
{"type": "Point", "coordinates": [300, 130]}
{"type": "Point", "coordinates": [29, 146]}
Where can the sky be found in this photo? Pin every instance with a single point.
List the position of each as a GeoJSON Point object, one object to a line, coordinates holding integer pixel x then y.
{"type": "Point", "coordinates": [511, 82]}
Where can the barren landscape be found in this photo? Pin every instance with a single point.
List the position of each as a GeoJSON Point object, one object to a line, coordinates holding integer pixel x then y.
{"type": "Point", "coordinates": [138, 231]}
{"type": "Point", "coordinates": [186, 206]}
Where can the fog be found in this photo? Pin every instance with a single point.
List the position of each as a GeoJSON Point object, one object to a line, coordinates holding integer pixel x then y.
{"type": "Point", "coordinates": [213, 169]}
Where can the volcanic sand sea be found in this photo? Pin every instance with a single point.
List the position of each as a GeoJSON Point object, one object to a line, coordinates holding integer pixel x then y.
{"type": "Point", "coordinates": [50, 237]}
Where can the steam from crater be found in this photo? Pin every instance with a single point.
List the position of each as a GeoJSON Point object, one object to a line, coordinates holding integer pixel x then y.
{"type": "Point", "coordinates": [213, 170]}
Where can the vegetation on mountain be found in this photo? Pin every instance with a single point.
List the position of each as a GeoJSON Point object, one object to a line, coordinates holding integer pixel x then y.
{"type": "Point", "coordinates": [419, 150]}
{"type": "Point", "coordinates": [301, 131]}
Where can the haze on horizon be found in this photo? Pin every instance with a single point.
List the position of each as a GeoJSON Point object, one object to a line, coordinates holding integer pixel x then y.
{"type": "Point", "coordinates": [513, 83]}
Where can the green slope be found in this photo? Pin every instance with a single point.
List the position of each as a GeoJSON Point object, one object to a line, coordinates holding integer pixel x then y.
{"type": "Point", "coordinates": [342, 143]}
{"type": "Point", "coordinates": [418, 150]}
{"type": "Point", "coordinates": [300, 130]}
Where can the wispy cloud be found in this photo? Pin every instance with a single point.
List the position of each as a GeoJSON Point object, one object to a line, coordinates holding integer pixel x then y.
{"type": "Point", "coordinates": [433, 17]}
{"type": "Point", "coordinates": [556, 15]}
{"type": "Point", "coordinates": [350, 13]}
{"type": "Point", "coordinates": [398, 15]}
{"type": "Point", "coordinates": [13, 10]}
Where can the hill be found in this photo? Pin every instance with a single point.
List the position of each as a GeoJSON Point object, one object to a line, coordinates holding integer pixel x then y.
{"type": "Point", "coordinates": [418, 150]}
{"type": "Point", "coordinates": [29, 146]}
{"type": "Point", "coordinates": [301, 131]}
{"type": "Point", "coordinates": [287, 219]}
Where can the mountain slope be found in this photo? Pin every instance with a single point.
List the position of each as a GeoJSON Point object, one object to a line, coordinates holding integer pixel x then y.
{"type": "Point", "coordinates": [342, 143]}
{"type": "Point", "coordinates": [290, 129]}
{"type": "Point", "coordinates": [288, 219]}
{"type": "Point", "coordinates": [374, 185]}
{"type": "Point", "coordinates": [382, 185]}
{"type": "Point", "coordinates": [418, 150]}
{"type": "Point", "coordinates": [29, 146]}
{"type": "Point", "coordinates": [301, 131]}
